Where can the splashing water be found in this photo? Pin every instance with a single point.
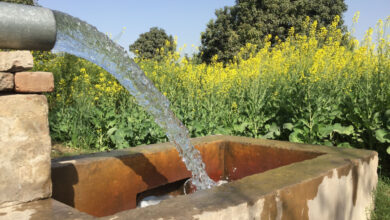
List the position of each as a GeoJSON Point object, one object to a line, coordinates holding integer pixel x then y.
{"type": "Point", "coordinates": [83, 40]}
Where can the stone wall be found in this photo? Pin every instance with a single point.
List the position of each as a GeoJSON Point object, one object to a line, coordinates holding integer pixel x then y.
{"type": "Point", "coordinates": [25, 143]}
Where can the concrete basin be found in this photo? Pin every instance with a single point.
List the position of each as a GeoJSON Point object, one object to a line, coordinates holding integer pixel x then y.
{"type": "Point", "coordinates": [269, 180]}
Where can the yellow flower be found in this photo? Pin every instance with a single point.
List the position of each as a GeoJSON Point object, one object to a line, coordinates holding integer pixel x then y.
{"type": "Point", "coordinates": [62, 82]}
{"type": "Point", "coordinates": [234, 105]}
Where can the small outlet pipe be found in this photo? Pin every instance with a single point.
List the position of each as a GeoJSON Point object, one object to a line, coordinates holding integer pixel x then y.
{"type": "Point", "coordinates": [24, 27]}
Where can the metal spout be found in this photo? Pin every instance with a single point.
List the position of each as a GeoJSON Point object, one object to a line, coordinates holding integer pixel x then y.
{"type": "Point", "coordinates": [24, 27]}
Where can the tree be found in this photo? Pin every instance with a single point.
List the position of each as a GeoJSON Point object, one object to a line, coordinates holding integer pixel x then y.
{"type": "Point", "coordinates": [25, 2]}
{"type": "Point", "coordinates": [149, 44]}
{"type": "Point", "coordinates": [250, 21]}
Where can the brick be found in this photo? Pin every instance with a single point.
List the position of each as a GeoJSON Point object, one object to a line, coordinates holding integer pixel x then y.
{"type": "Point", "coordinates": [25, 147]}
{"type": "Point", "coordinates": [6, 81]}
{"type": "Point", "coordinates": [16, 61]}
{"type": "Point", "coordinates": [34, 82]}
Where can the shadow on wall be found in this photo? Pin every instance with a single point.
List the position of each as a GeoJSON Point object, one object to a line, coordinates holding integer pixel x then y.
{"type": "Point", "coordinates": [104, 186]}
{"type": "Point", "coordinates": [144, 168]}
{"type": "Point", "coordinates": [63, 181]}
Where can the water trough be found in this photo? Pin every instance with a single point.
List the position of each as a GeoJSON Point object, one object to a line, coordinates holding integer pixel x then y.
{"type": "Point", "coordinates": [270, 180]}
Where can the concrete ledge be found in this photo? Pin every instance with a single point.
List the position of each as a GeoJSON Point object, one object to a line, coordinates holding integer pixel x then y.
{"type": "Point", "coordinates": [48, 209]}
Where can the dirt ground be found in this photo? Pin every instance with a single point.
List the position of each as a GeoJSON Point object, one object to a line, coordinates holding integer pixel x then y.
{"type": "Point", "coordinates": [61, 150]}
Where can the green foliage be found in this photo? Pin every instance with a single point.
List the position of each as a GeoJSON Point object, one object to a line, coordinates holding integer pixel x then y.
{"type": "Point", "coordinates": [90, 110]}
{"type": "Point", "coordinates": [153, 44]}
{"type": "Point", "coordinates": [382, 199]}
{"type": "Point", "coordinates": [25, 2]}
{"type": "Point", "coordinates": [250, 21]}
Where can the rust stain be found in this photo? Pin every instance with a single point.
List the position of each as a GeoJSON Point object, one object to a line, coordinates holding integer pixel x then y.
{"type": "Point", "coordinates": [269, 208]}
{"type": "Point", "coordinates": [353, 168]}
{"type": "Point", "coordinates": [244, 160]}
{"type": "Point", "coordinates": [106, 186]}
{"type": "Point", "coordinates": [294, 199]}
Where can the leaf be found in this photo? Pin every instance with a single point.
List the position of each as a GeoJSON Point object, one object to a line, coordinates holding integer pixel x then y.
{"type": "Point", "coordinates": [382, 136]}
{"type": "Point", "coordinates": [221, 130]}
{"type": "Point", "coordinates": [338, 128]}
{"type": "Point", "coordinates": [344, 145]}
{"type": "Point", "coordinates": [305, 122]}
{"type": "Point", "coordinates": [241, 127]}
{"type": "Point", "coordinates": [296, 136]}
{"type": "Point", "coordinates": [63, 127]}
{"type": "Point", "coordinates": [111, 123]}
{"type": "Point", "coordinates": [111, 131]}
{"type": "Point", "coordinates": [387, 113]}
{"type": "Point", "coordinates": [288, 126]}
{"type": "Point", "coordinates": [388, 150]}
{"type": "Point", "coordinates": [273, 130]}
{"type": "Point", "coordinates": [110, 113]}
{"type": "Point", "coordinates": [269, 135]}
{"type": "Point", "coordinates": [124, 145]}
{"type": "Point", "coordinates": [335, 113]}
{"type": "Point", "coordinates": [327, 143]}
{"type": "Point", "coordinates": [325, 130]}
{"type": "Point", "coordinates": [197, 126]}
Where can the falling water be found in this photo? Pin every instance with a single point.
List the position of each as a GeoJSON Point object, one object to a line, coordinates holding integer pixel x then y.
{"type": "Point", "coordinates": [83, 40]}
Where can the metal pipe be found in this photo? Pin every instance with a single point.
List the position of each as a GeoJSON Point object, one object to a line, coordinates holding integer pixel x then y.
{"type": "Point", "coordinates": [24, 27]}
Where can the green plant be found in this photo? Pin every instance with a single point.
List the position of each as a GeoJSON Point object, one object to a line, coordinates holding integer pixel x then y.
{"type": "Point", "coordinates": [382, 199]}
{"type": "Point", "coordinates": [310, 88]}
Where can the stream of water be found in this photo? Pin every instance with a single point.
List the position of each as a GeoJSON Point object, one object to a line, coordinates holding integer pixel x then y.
{"type": "Point", "coordinates": [83, 40]}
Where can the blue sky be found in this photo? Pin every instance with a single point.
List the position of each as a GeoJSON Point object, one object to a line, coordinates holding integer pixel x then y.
{"type": "Point", "coordinates": [182, 18]}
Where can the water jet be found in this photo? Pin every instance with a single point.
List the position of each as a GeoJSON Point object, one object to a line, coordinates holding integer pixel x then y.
{"type": "Point", "coordinates": [83, 40]}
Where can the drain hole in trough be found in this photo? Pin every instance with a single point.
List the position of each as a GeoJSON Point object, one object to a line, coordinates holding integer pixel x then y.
{"type": "Point", "coordinates": [160, 193]}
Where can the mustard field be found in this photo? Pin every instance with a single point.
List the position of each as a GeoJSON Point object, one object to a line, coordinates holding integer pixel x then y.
{"type": "Point", "coordinates": [320, 87]}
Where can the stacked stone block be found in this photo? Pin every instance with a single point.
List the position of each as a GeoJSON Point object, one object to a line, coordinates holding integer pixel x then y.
{"type": "Point", "coordinates": [25, 143]}
{"type": "Point", "coordinates": [15, 78]}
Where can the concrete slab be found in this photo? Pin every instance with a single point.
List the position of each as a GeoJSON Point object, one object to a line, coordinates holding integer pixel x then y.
{"type": "Point", "coordinates": [48, 209]}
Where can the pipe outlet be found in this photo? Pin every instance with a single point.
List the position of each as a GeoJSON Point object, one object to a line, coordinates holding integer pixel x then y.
{"type": "Point", "coordinates": [24, 27]}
